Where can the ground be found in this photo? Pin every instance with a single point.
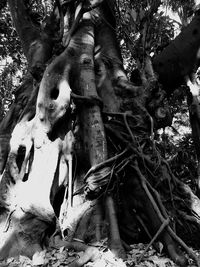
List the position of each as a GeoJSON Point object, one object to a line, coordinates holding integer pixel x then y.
{"type": "Point", "coordinates": [60, 256]}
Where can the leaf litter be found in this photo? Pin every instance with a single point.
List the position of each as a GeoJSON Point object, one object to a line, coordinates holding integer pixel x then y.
{"type": "Point", "coordinates": [58, 257]}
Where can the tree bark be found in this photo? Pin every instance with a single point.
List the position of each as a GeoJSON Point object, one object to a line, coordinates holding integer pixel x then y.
{"type": "Point", "coordinates": [85, 106]}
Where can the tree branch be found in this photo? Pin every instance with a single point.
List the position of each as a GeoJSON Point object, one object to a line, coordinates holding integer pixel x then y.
{"type": "Point", "coordinates": [25, 28]}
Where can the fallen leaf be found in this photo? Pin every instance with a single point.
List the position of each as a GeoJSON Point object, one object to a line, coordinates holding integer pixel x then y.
{"type": "Point", "coordinates": [60, 256]}
{"type": "Point", "coordinates": [10, 260]}
{"type": "Point", "coordinates": [39, 258]}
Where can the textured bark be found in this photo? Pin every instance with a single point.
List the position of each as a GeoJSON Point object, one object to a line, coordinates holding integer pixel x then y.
{"type": "Point", "coordinates": [93, 129]}
{"type": "Point", "coordinates": [50, 130]}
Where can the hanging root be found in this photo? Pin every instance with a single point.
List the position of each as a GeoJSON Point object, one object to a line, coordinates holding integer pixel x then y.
{"type": "Point", "coordinates": [172, 251]}
{"type": "Point", "coordinates": [115, 241]}
{"type": "Point", "coordinates": [188, 250]}
{"type": "Point", "coordinates": [162, 227]}
{"type": "Point", "coordinates": [98, 220]}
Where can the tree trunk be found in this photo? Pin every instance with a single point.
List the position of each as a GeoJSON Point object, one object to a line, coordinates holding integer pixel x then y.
{"type": "Point", "coordinates": [82, 139]}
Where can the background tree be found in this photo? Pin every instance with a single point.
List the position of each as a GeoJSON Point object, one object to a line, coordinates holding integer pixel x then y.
{"type": "Point", "coordinates": [78, 143]}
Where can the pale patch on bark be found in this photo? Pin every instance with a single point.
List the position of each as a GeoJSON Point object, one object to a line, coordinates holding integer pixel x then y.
{"type": "Point", "coordinates": [194, 87]}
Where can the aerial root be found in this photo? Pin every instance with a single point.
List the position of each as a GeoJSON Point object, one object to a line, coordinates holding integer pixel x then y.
{"type": "Point", "coordinates": [98, 218]}
{"type": "Point", "coordinates": [173, 253]}
{"type": "Point", "coordinates": [162, 227]}
{"type": "Point", "coordinates": [156, 245]}
{"type": "Point", "coordinates": [115, 241]}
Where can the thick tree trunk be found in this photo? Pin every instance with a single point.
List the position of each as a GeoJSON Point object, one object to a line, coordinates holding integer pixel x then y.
{"type": "Point", "coordinates": [78, 134]}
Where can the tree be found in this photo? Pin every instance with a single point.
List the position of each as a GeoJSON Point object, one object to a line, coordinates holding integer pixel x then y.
{"type": "Point", "coordinates": [82, 134]}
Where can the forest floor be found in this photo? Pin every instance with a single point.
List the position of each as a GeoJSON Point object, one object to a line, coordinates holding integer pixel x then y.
{"type": "Point", "coordinates": [55, 257]}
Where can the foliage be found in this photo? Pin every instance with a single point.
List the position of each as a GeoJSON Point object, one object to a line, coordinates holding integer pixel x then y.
{"type": "Point", "coordinates": [131, 17]}
{"type": "Point", "coordinates": [184, 8]}
{"type": "Point", "coordinates": [9, 41]}
{"type": "Point", "coordinates": [176, 144]}
{"type": "Point", "coordinates": [60, 256]}
{"type": "Point", "coordinates": [12, 60]}
{"type": "Point", "coordinates": [38, 10]}
{"type": "Point", "coordinates": [11, 76]}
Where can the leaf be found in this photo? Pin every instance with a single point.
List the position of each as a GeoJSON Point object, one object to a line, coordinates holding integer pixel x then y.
{"type": "Point", "coordinates": [25, 261]}
{"type": "Point", "coordinates": [60, 256]}
{"type": "Point", "coordinates": [10, 260]}
{"type": "Point", "coordinates": [56, 264]}
{"type": "Point", "coordinates": [161, 262]}
{"type": "Point", "coordinates": [39, 258]}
